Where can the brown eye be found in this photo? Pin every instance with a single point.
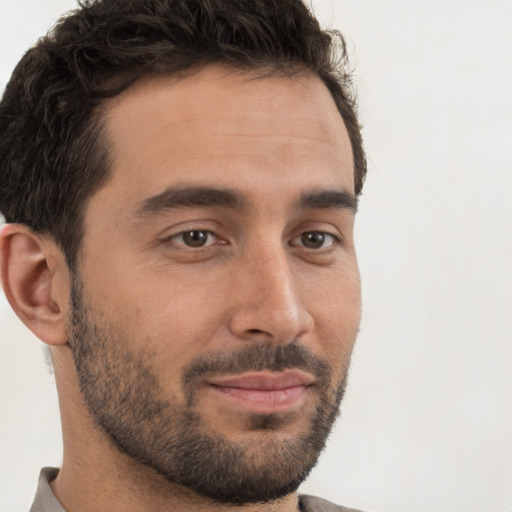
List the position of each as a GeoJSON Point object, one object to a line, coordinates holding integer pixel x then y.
{"type": "Point", "coordinates": [194, 238]}
{"type": "Point", "coordinates": [315, 240]}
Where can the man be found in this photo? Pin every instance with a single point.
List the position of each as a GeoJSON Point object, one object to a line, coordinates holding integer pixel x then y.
{"type": "Point", "coordinates": [179, 180]}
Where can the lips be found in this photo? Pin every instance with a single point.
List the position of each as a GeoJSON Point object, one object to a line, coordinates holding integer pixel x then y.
{"type": "Point", "coordinates": [266, 381]}
{"type": "Point", "coordinates": [264, 392]}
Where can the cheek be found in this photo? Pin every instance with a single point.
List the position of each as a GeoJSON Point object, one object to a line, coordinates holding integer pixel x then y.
{"type": "Point", "coordinates": [335, 295]}
{"type": "Point", "coordinates": [336, 308]}
{"type": "Point", "coordinates": [164, 313]}
{"type": "Point", "coordinates": [176, 316]}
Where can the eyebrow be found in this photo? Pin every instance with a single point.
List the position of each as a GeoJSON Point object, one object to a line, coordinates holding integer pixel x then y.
{"type": "Point", "coordinates": [321, 199]}
{"type": "Point", "coordinates": [177, 197]}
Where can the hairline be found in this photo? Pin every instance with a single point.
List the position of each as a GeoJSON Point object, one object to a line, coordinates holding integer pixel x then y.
{"type": "Point", "coordinates": [96, 128]}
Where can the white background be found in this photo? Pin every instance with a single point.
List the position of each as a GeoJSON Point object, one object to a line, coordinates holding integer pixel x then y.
{"type": "Point", "coordinates": [427, 421]}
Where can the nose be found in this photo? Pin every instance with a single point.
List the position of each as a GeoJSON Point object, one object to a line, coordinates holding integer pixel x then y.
{"type": "Point", "coordinates": [267, 304]}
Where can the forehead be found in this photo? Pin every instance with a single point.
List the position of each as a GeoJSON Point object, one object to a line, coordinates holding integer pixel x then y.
{"type": "Point", "coordinates": [224, 127]}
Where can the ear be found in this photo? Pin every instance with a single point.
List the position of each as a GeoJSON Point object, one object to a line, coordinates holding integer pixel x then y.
{"type": "Point", "coordinates": [35, 279]}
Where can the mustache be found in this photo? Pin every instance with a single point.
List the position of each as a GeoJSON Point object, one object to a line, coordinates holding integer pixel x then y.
{"type": "Point", "coordinates": [257, 357]}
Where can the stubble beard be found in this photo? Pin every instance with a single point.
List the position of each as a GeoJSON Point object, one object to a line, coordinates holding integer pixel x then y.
{"type": "Point", "coordinates": [126, 401]}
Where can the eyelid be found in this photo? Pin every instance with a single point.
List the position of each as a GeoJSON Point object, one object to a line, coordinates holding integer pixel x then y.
{"type": "Point", "coordinates": [188, 225]}
{"type": "Point", "coordinates": [335, 239]}
{"type": "Point", "coordinates": [173, 238]}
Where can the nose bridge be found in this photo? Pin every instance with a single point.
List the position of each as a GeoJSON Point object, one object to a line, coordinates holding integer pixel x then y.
{"type": "Point", "coordinates": [268, 299]}
{"type": "Point", "coordinates": [274, 282]}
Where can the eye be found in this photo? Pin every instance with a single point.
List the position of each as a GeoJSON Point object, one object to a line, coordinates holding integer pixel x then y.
{"type": "Point", "coordinates": [315, 240]}
{"type": "Point", "coordinates": [194, 238]}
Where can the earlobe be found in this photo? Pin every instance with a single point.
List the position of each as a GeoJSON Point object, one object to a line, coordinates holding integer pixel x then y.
{"type": "Point", "coordinates": [28, 271]}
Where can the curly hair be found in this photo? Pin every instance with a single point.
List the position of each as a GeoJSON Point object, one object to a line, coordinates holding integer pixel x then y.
{"type": "Point", "coordinates": [53, 146]}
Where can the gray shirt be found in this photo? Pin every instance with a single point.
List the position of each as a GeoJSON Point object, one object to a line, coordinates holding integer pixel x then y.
{"type": "Point", "coordinates": [45, 500]}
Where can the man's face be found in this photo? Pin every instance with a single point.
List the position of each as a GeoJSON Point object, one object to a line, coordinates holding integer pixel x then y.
{"type": "Point", "coordinates": [218, 300]}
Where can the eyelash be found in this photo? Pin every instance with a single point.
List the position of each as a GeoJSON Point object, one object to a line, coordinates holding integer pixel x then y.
{"type": "Point", "coordinates": [334, 240]}
{"type": "Point", "coordinates": [181, 234]}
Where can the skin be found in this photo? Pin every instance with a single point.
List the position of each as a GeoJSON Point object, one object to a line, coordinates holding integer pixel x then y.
{"type": "Point", "coordinates": [272, 139]}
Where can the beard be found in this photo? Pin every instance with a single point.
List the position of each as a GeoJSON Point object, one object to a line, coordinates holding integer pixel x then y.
{"type": "Point", "coordinates": [122, 391]}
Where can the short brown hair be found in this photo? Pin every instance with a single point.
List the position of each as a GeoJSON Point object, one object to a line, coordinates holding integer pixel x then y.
{"type": "Point", "coordinates": [53, 154]}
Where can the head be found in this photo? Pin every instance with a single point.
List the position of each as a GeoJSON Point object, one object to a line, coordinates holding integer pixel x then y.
{"type": "Point", "coordinates": [187, 172]}
{"type": "Point", "coordinates": [53, 156]}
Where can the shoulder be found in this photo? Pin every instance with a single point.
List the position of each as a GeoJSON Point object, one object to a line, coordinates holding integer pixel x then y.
{"type": "Point", "coordinates": [45, 500]}
{"type": "Point", "coordinates": [314, 504]}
